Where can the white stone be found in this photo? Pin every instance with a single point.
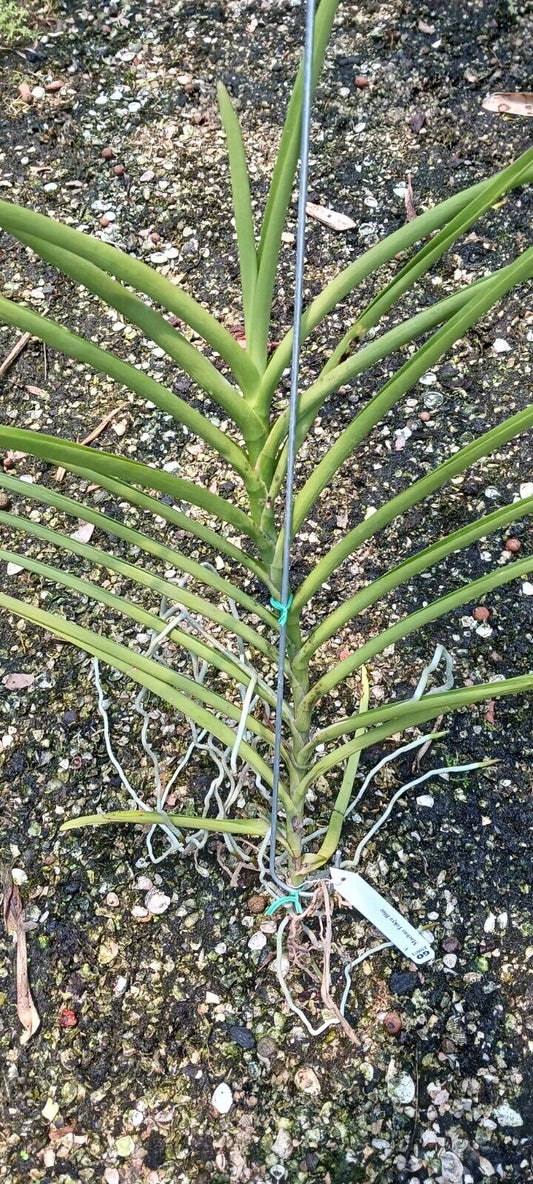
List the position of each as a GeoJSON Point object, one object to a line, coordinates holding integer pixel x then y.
{"type": "Point", "coordinates": [156, 902]}
{"type": "Point", "coordinates": [527, 588]}
{"type": "Point", "coordinates": [401, 1089]}
{"type": "Point", "coordinates": [500, 346]}
{"type": "Point", "coordinates": [451, 1168]}
{"type": "Point", "coordinates": [222, 1099]}
{"type": "Point", "coordinates": [425, 799]}
{"type": "Point", "coordinates": [506, 1116]}
{"type": "Point", "coordinates": [257, 941]}
{"type": "Point", "coordinates": [282, 1145]}
{"type": "Point", "coordinates": [526, 490]}
{"type": "Point", "coordinates": [489, 924]}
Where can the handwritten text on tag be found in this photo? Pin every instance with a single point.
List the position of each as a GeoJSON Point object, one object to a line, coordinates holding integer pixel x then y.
{"type": "Point", "coordinates": [383, 915]}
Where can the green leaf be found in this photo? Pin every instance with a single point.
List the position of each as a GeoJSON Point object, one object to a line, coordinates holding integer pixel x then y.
{"type": "Point", "coordinates": [486, 444]}
{"type": "Point", "coordinates": [404, 572]}
{"type": "Point", "coordinates": [112, 526]}
{"type": "Point", "coordinates": [474, 590]}
{"type": "Point", "coordinates": [138, 275]}
{"type": "Point", "coordinates": [134, 380]}
{"type": "Point", "coordinates": [280, 192]}
{"type": "Point", "coordinates": [157, 329]}
{"type": "Point", "coordinates": [77, 457]}
{"type": "Point", "coordinates": [407, 714]}
{"type": "Point", "coordinates": [139, 575]}
{"type": "Point", "coordinates": [313, 399]}
{"type": "Point", "coordinates": [151, 621]}
{"type": "Point", "coordinates": [518, 172]}
{"type": "Point", "coordinates": [242, 202]}
{"type": "Point", "coordinates": [425, 357]}
{"type": "Point", "coordinates": [144, 671]}
{"type": "Point", "coordinates": [226, 826]}
{"type": "Point", "coordinates": [375, 257]}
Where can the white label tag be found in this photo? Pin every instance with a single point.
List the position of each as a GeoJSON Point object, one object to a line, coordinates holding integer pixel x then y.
{"type": "Point", "coordinates": [383, 915]}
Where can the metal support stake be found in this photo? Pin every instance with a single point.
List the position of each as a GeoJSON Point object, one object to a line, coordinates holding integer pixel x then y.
{"type": "Point", "coordinates": [293, 409]}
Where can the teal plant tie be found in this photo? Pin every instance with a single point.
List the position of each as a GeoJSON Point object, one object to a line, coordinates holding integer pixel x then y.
{"type": "Point", "coordinates": [282, 609]}
{"type": "Point", "coordinates": [291, 898]}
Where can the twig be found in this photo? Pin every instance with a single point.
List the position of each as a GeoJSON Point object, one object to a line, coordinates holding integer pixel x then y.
{"type": "Point", "coordinates": [410, 210]}
{"type": "Point", "coordinates": [14, 353]}
{"type": "Point", "coordinates": [97, 431]}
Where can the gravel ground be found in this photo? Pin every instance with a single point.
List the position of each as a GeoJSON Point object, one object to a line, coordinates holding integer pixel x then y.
{"type": "Point", "coordinates": [168, 1007]}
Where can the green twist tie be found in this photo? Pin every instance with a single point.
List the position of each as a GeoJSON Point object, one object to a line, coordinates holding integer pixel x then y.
{"type": "Point", "coordinates": [291, 898]}
{"type": "Point", "coordinates": [283, 609]}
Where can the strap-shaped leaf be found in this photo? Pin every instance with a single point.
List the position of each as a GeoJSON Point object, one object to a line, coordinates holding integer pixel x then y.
{"type": "Point", "coordinates": [313, 399]}
{"type": "Point", "coordinates": [135, 380]}
{"type": "Point", "coordinates": [385, 721]}
{"type": "Point", "coordinates": [404, 572]}
{"type": "Point", "coordinates": [156, 328]}
{"type": "Point", "coordinates": [413, 623]}
{"type": "Point", "coordinates": [139, 276]}
{"type": "Point", "coordinates": [218, 543]}
{"type": "Point", "coordinates": [428, 354]}
{"type": "Point", "coordinates": [134, 612]}
{"type": "Point", "coordinates": [485, 444]}
{"type": "Point", "coordinates": [220, 826]}
{"type": "Point", "coordinates": [242, 202]}
{"type": "Point", "coordinates": [146, 579]}
{"type": "Point", "coordinates": [369, 262]}
{"type": "Point", "coordinates": [280, 191]}
{"type": "Point", "coordinates": [72, 456]}
{"type": "Point", "coordinates": [144, 671]}
{"type": "Point", "coordinates": [516, 174]}
{"type": "Point", "coordinates": [111, 526]}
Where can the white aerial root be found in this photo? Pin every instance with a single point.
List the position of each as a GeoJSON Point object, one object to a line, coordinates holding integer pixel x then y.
{"type": "Point", "coordinates": [224, 759]}
{"type": "Point", "coordinates": [302, 942]}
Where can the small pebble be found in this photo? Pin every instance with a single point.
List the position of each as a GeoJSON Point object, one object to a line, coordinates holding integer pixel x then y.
{"type": "Point", "coordinates": [257, 941]}
{"type": "Point", "coordinates": [156, 902]}
{"type": "Point", "coordinates": [283, 1144]}
{"type": "Point", "coordinates": [266, 1048]}
{"type": "Point", "coordinates": [392, 1023]}
{"type": "Point", "coordinates": [107, 153]}
{"type": "Point", "coordinates": [513, 545]}
{"type": "Point", "coordinates": [500, 346]}
{"type": "Point", "coordinates": [257, 903]}
{"type": "Point", "coordinates": [307, 1080]}
{"type": "Point", "coordinates": [361, 82]}
{"type": "Point", "coordinates": [506, 1116]}
{"type": "Point", "coordinates": [481, 613]}
{"type": "Point", "coordinates": [401, 1089]}
{"type": "Point", "coordinates": [527, 588]}
{"type": "Point", "coordinates": [222, 1099]}
{"type": "Point", "coordinates": [119, 170]}
{"type": "Point", "coordinates": [424, 416]}
{"type": "Point", "coordinates": [242, 1036]}
{"type": "Point", "coordinates": [67, 1018]}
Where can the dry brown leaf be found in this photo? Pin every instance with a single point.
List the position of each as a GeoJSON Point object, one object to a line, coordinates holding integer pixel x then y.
{"type": "Point", "coordinates": [329, 217]}
{"type": "Point", "coordinates": [18, 682]}
{"type": "Point", "coordinates": [14, 924]}
{"type": "Point", "coordinates": [57, 1133]}
{"type": "Point", "coordinates": [409, 200]}
{"type": "Point", "coordinates": [509, 103]}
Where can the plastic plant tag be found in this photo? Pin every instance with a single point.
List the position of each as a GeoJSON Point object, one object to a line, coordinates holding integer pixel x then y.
{"type": "Point", "coordinates": [383, 915]}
